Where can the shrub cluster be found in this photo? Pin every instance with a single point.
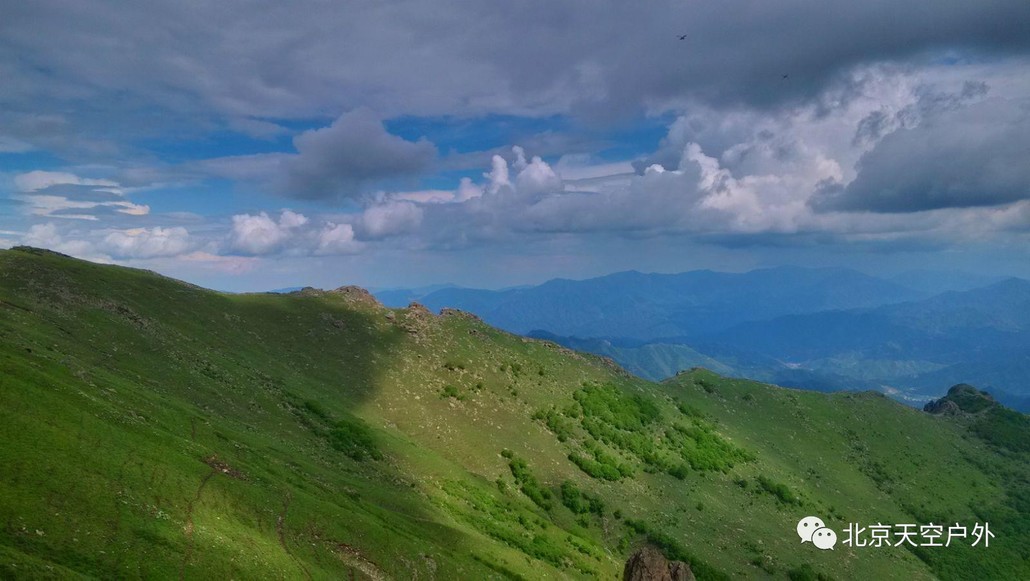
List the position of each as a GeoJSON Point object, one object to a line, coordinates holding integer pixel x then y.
{"type": "Point", "coordinates": [580, 502]}
{"type": "Point", "coordinates": [528, 483]}
{"type": "Point", "coordinates": [354, 439]}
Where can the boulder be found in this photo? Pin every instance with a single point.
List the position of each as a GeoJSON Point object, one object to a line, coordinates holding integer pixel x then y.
{"type": "Point", "coordinates": [649, 564]}
{"type": "Point", "coordinates": [942, 407]}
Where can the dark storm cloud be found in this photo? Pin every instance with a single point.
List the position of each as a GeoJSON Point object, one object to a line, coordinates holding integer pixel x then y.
{"type": "Point", "coordinates": [355, 150]}
{"type": "Point", "coordinates": [348, 158]}
{"type": "Point", "coordinates": [978, 155]}
{"type": "Point", "coordinates": [270, 59]}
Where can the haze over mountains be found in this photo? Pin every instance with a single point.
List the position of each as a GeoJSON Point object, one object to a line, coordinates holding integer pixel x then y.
{"type": "Point", "coordinates": [649, 306]}
{"type": "Point", "coordinates": [824, 329]}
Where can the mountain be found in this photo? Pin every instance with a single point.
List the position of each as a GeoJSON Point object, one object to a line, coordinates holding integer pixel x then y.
{"type": "Point", "coordinates": [980, 336]}
{"type": "Point", "coordinates": [153, 429]}
{"type": "Point", "coordinates": [659, 359]}
{"type": "Point", "coordinates": [289, 289]}
{"type": "Point", "coordinates": [401, 297]}
{"type": "Point", "coordinates": [649, 306]}
{"type": "Point", "coordinates": [653, 361]}
{"type": "Point", "coordinates": [934, 282]}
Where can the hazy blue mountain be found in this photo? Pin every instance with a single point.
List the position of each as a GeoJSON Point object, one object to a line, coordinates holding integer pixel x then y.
{"type": "Point", "coordinates": [981, 335]}
{"type": "Point", "coordinates": [939, 281]}
{"type": "Point", "coordinates": [649, 306]}
{"type": "Point", "coordinates": [653, 361]}
{"type": "Point", "coordinates": [402, 297]}
{"type": "Point", "coordinates": [822, 329]}
{"type": "Point", "coordinates": [660, 360]}
{"type": "Point", "coordinates": [992, 318]}
{"type": "Point", "coordinates": [286, 290]}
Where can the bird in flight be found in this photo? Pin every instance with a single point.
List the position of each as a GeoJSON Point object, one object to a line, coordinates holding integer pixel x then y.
{"type": "Point", "coordinates": [786, 76]}
{"type": "Point", "coordinates": [683, 37]}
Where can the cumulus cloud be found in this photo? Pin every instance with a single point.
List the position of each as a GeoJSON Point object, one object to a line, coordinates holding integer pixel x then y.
{"type": "Point", "coordinates": [293, 233]}
{"type": "Point", "coordinates": [261, 234]}
{"type": "Point", "coordinates": [42, 236]}
{"type": "Point", "coordinates": [146, 242]}
{"type": "Point", "coordinates": [389, 219]}
{"type": "Point", "coordinates": [337, 239]}
{"type": "Point", "coordinates": [536, 178]}
{"type": "Point", "coordinates": [47, 235]}
{"type": "Point", "coordinates": [766, 178]}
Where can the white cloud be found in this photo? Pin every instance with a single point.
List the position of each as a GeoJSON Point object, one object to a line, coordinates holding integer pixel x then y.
{"type": "Point", "coordinates": [289, 219]}
{"type": "Point", "coordinates": [34, 181]}
{"type": "Point", "coordinates": [389, 219]}
{"type": "Point", "coordinates": [467, 190]}
{"type": "Point", "coordinates": [56, 194]}
{"type": "Point", "coordinates": [260, 234]}
{"type": "Point", "coordinates": [498, 175]}
{"type": "Point", "coordinates": [536, 178]}
{"type": "Point", "coordinates": [42, 236]}
{"type": "Point", "coordinates": [292, 233]}
{"type": "Point", "coordinates": [337, 239]}
{"type": "Point", "coordinates": [717, 176]}
{"type": "Point", "coordinates": [146, 243]}
{"type": "Point", "coordinates": [48, 236]}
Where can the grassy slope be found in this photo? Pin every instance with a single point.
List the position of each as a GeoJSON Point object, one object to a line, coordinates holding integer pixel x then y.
{"type": "Point", "coordinates": [154, 429]}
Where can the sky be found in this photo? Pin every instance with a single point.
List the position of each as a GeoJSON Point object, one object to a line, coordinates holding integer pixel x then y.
{"type": "Point", "coordinates": [258, 145]}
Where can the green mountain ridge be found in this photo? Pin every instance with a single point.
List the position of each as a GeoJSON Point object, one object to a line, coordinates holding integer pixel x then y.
{"type": "Point", "coordinates": [155, 429]}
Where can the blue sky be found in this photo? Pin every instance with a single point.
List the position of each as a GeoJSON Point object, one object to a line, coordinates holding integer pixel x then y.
{"type": "Point", "coordinates": [257, 145]}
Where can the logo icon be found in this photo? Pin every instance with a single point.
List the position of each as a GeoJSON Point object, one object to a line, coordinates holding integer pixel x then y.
{"type": "Point", "coordinates": [813, 529]}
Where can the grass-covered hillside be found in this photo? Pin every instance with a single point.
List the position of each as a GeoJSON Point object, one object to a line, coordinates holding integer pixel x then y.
{"type": "Point", "coordinates": [152, 429]}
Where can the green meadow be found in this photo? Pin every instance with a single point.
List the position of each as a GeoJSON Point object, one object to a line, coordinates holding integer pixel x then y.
{"type": "Point", "coordinates": [153, 429]}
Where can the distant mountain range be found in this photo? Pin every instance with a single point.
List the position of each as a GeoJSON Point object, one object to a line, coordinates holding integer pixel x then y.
{"type": "Point", "coordinates": [822, 329]}
{"type": "Point", "coordinates": [402, 297]}
{"type": "Point", "coordinates": [981, 336]}
{"type": "Point", "coordinates": [649, 306]}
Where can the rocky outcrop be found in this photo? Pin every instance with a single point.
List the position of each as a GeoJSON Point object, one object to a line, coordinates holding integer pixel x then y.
{"type": "Point", "coordinates": [446, 312]}
{"type": "Point", "coordinates": [962, 399]}
{"type": "Point", "coordinates": [417, 319]}
{"type": "Point", "coordinates": [649, 564]}
{"type": "Point", "coordinates": [357, 295]}
{"type": "Point", "coordinates": [942, 407]}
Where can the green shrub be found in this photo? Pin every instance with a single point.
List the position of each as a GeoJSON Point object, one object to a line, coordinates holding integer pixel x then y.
{"type": "Point", "coordinates": [616, 408]}
{"type": "Point", "coordinates": [1005, 429]}
{"type": "Point", "coordinates": [689, 410]}
{"type": "Point", "coordinates": [807, 573]}
{"type": "Point", "coordinates": [595, 469]}
{"type": "Point", "coordinates": [451, 391]}
{"type": "Point", "coordinates": [704, 449]}
{"type": "Point", "coordinates": [778, 490]}
{"type": "Point", "coordinates": [580, 502]}
{"type": "Point", "coordinates": [317, 409]}
{"type": "Point", "coordinates": [556, 422]}
{"type": "Point", "coordinates": [354, 439]}
{"type": "Point", "coordinates": [527, 482]}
